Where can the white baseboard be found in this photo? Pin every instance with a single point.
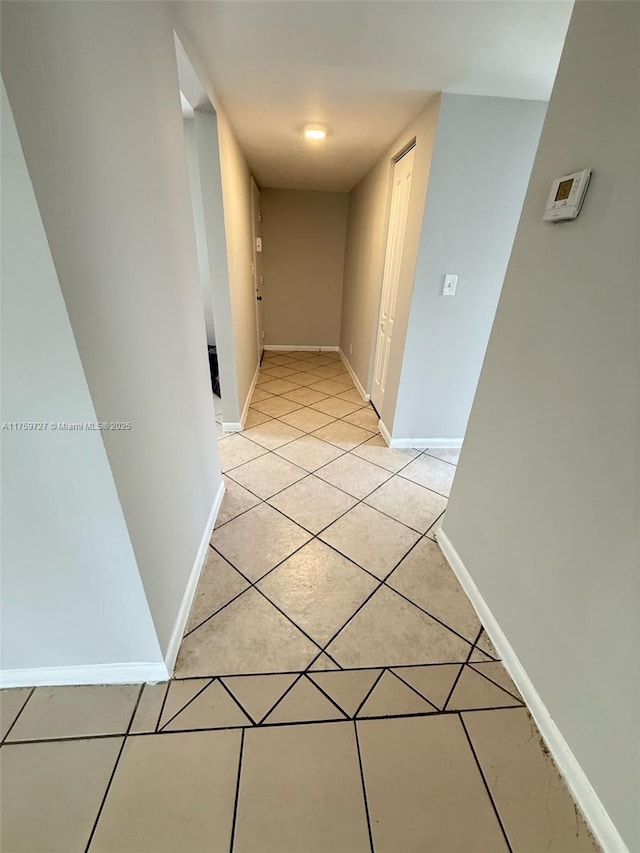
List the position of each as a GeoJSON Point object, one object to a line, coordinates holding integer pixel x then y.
{"type": "Point", "coordinates": [588, 801]}
{"type": "Point", "coordinates": [99, 673]}
{"type": "Point", "coordinates": [384, 432]}
{"type": "Point", "coordinates": [192, 583]}
{"type": "Point", "coordinates": [423, 443]}
{"type": "Point", "coordinates": [238, 426]}
{"type": "Point", "coordinates": [283, 348]}
{"type": "Point", "coordinates": [352, 373]}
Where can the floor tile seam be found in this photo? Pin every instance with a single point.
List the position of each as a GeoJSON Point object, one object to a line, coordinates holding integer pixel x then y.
{"type": "Point", "coordinates": [17, 717]}
{"type": "Point", "coordinates": [425, 452]}
{"type": "Point", "coordinates": [198, 693]}
{"type": "Point", "coordinates": [251, 725]}
{"type": "Point", "coordinates": [364, 786]}
{"type": "Point", "coordinates": [424, 487]}
{"type": "Point", "coordinates": [472, 665]}
{"type": "Point", "coordinates": [279, 700]}
{"type": "Point", "coordinates": [236, 800]}
{"type": "Point", "coordinates": [326, 695]}
{"type": "Point", "coordinates": [414, 690]}
{"type": "Point", "coordinates": [346, 670]}
{"type": "Point", "coordinates": [486, 784]}
{"type": "Point", "coordinates": [235, 699]}
{"type": "Point", "coordinates": [461, 670]}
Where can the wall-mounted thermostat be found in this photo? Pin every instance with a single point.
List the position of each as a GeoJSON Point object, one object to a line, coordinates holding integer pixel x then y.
{"type": "Point", "coordinates": [566, 196]}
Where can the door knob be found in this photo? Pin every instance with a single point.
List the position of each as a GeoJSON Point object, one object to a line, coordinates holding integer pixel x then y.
{"type": "Point", "coordinates": [259, 298]}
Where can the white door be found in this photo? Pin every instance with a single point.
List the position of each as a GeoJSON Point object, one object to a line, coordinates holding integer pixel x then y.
{"type": "Point", "coordinates": [258, 278]}
{"type": "Point", "coordinates": [402, 173]}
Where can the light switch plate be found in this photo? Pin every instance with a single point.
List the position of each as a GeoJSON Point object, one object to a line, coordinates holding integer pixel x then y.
{"type": "Point", "coordinates": [449, 286]}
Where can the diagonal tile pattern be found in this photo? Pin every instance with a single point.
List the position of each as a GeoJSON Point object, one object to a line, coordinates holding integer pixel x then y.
{"type": "Point", "coordinates": [334, 689]}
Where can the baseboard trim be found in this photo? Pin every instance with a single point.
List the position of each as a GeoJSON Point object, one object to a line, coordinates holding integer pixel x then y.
{"type": "Point", "coordinates": [192, 583]}
{"type": "Point", "coordinates": [231, 426]}
{"type": "Point", "coordinates": [288, 348]}
{"type": "Point", "coordinates": [585, 796]}
{"type": "Point", "coordinates": [238, 426]}
{"type": "Point", "coordinates": [423, 443]}
{"type": "Point", "coordinates": [352, 373]}
{"type": "Point", "coordinates": [384, 432]}
{"type": "Point", "coordinates": [99, 673]}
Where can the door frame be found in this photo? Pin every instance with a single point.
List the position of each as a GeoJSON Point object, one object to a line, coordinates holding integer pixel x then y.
{"type": "Point", "coordinates": [256, 263]}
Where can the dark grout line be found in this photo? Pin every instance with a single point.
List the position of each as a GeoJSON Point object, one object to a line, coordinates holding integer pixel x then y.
{"type": "Point", "coordinates": [368, 693]}
{"type": "Point", "coordinates": [415, 690]}
{"type": "Point", "coordinates": [326, 695]}
{"type": "Point", "coordinates": [237, 796]}
{"type": "Point", "coordinates": [457, 679]}
{"type": "Point", "coordinates": [164, 700]}
{"type": "Point", "coordinates": [364, 786]}
{"type": "Point", "coordinates": [186, 705]}
{"type": "Point", "coordinates": [275, 704]}
{"type": "Point", "coordinates": [17, 717]}
{"type": "Point", "coordinates": [486, 784]}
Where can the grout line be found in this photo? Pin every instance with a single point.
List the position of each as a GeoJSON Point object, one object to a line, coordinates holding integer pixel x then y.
{"type": "Point", "coordinates": [237, 796]}
{"type": "Point", "coordinates": [369, 692]}
{"type": "Point", "coordinates": [492, 681]}
{"type": "Point", "coordinates": [457, 679]}
{"type": "Point", "coordinates": [164, 700]}
{"type": "Point", "coordinates": [17, 717]}
{"type": "Point", "coordinates": [486, 784]}
{"type": "Point", "coordinates": [278, 701]}
{"type": "Point", "coordinates": [237, 701]}
{"type": "Point", "coordinates": [326, 695]}
{"type": "Point", "coordinates": [115, 767]}
{"type": "Point", "coordinates": [415, 690]}
{"type": "Point", "coordinates": [186, 705]}
{"type": "Point", "coordinates": [364, 787]}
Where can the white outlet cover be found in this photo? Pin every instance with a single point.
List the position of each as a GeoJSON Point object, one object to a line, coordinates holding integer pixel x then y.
{"type": "Point", "coordinates": [449, 285]}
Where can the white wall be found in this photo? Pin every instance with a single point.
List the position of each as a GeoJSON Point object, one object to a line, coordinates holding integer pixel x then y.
{"type": "Point", "coordinates": [481, 164]}
{"type": "Point", "coordinates": [94, 91]}
{"type": "Point", "coordinates": [364, 256]}
{"type": "Point", "coordinates": [544, 510]}
{"type": "Point", "coordinates": [65, 542]}
{"type": "Point", "coordinates": [304, 235]}
{"type": "Point", "coordinates": [195, 187]}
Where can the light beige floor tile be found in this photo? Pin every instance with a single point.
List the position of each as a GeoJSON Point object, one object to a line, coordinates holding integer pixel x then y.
{"type": "Point", "coordinates": [301, 792]}
{"type": "Point", "coordinates": [352, 396]}
{"type": "Point", "coordinates": [279, 386]}
{"type": "Point", "coordinates": [276, 406]}
{"type": "Point", "coordinates": [393, 459]}
{"type": "Point", "coordinates": [409, 503]}
{"type": "Point", "coordinates": [254, 417]}
{"type": "Point", "coordinates": [424, 789]}
{"type": "Point", "coordinates": [432, 532]}
{"type": "Point", "coordinates": [498, 674]}
{"type": "Point", "coordinates": [447, 454]}
{"type": "Point", "coordinates": [370, 539]}
{"type": "Point", "coordinates": [328, 386]}
{"type": "Point", "coordinates": [430, 473]}
{"type": "Point", "coordinates": [304, 703]}
{"type": "Point", "coordinates": [426, 578]}
{"type": "Point", "coordinates": [236, 500]}
{"type": "Point", "coordinates": [277, 371]}
{"type": "Point", "coordinates": [11, 703]}
{"type": "Point", "coordinates": [267, 475]}
{"type": "Point", "coordinates": [345, 379]}
{"type": "Point", "coordinates": [306, 396]}
{"type": "Point", "coordinates": [171, 792]}
{"type": "Point", "coordinates": [309, 452]}
{"type": "Point", "coordinates": [54, 712]}
{"type": "Point", "coordinates": [149, 708]}
{"type": "Point", "coordinates": [323, 359]}
{"type": "Point", "coordinates": [365, 418]}
{"type": "Point", "coordinates": [322, 663]}
{"type": "Point", "coordinates": [353, 475]}
{"type": "Point", "coordinates": [212, 708]}
{"type": "Point", "coordinates": [272, 434]}
{"type": "Point", "coordinates": [301, 365]}
{"type": "Point", "coordinates": [478, 656]}
{"type": "Point", "coordinates": [218, 584]}
{"type": "Point", "coordinates": [326, 371]}
{"type": "Point", "coordinates": [51, 793]}
{"type": "Point", "coordinates": [259, 693]}
{"type": "Point", "coordinates": [434, 682]}
{"type": "Point", "coordinates": [303, 379]}
{"type": "Point", "coordinates": [474, 691]}
{"type": "Point", "coordinates": [336, 408]}
{"type": "Point", "coordinates": [179, 694]}
{"type": "Point", "coordinates": [313, 503]}
{"type": "Point", "coordinates": [535, 806]}
{"type": "Point", "coordinates": [389, 631]}
{"type": "Point", "coordinates": [347, 688]}
{"type": "Point", "coordinates": [307, 419]}
{"type": "Point", "coordinates": [392, 698]}
{"type": "Point", "coordinates": [344, 435]}
{"type": "Point", "coordinates": [485, 644]}
{"type": "Point", "coordinates": [249, 636]}
{"type": "Point", "coordinates": [318, 588]}
{"type": "Point", "coordinates": [282, 359]}
{"type": "Point", "coordinates": [259, 395]}
{"type": "Point", "coordinates": [258, 540]}
{"type": "Point", "coordinates": [262, 380]}
{"type": "Point", "coordinates": [236, 450]}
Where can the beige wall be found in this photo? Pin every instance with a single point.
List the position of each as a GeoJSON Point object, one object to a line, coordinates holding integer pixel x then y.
{"type": "Point", "coordinates": [364, 260]}
{"type": "Point", "coordinates": [544, 509]}
{"type": "Point", "coordinates": [304, 237]}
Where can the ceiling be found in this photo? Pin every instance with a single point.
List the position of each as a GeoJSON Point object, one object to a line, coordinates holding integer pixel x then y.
{"type": "Point", "coordinates": [365, 68]}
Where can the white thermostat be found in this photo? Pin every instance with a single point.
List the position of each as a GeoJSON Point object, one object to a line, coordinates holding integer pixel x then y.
{"type": "Point", "coordinates": [566, 196]}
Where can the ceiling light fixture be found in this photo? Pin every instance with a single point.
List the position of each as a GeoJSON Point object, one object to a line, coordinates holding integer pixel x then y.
{"type": "Point", "coordinates": [315, 132]}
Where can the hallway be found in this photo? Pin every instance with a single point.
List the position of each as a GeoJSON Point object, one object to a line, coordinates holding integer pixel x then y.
{"type": "Point", "coordinates": [334, 690]}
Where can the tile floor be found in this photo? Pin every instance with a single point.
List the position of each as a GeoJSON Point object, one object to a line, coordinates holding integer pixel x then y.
{"type": "Point", "coordinates": [334, 692]}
